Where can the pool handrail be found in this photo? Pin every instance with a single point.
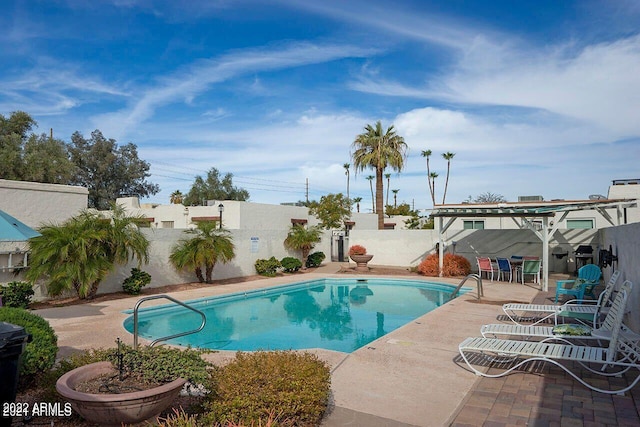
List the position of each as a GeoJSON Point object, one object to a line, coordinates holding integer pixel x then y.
{"type": "Point", "coordinates": [181, 334]}
{"type": "Point", "coordinates": [472, 276]}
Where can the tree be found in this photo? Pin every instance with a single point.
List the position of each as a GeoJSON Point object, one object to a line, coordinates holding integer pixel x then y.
{"type": "Point", "coordinates": [13, 134]}
{"type": "Point", "coordinates": [432, 184]}
{"type": "Point", "coordinates": [176, 197]}
{"type": "Point", "coordinates": [346, 167]}
{"type": "Point", "coordinates": [357, 201]}
{"type": "Point", "coordinates": [373, 200]}
{"type": "Point", "coordinates": [395, 198]}
{"type": "Point", "coordinates": [80, 253]}
{"type": "Point", "coordinates": [402, 209]}
{"type": "Point", "coordinates": [388, 176]}
{"type": "Point", "coordinates": [427, 154]}
{"type": "Point", "coordinates": [109, 171]}
{"type": "Point", "coordinates": [487, 197]}
{"type": "Point", "coordinates": [332, 211]}
{"type": "Point", "coordinates": [214, 188]}
{"type": "Point", "coordinates": [201, 252]}
{"type": "Point", "coordinates": [46, 159]}
{"type": "Point", "coordinates": [378, 149]}
{"type": "Point", "coordinates": [303, 239]}
{"type": "Point", "coordinates": [447, 156]}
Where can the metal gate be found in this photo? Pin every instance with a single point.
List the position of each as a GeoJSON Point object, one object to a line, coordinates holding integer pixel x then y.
{"type": "Point", "coordinates": [339, 246]}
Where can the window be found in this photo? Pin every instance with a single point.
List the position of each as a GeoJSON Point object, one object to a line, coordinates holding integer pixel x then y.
{"type": "Point", "coordinates": [473, 224]}
{"type": "Point", "coordinates": [167, 224]}
{"type": "Point", "coordinates": [579, 223]}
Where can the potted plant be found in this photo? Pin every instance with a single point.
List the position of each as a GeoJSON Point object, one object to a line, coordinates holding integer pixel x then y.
{"type": "Point", "coordinates": [358, 254]}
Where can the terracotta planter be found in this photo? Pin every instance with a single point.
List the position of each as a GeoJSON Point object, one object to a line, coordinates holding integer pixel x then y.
{"type": "Point", "coordinates": [115, 409]}
{"type": "Point", "coordinates": [361, 261]}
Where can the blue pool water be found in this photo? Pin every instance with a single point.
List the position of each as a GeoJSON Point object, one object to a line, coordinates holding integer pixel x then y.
{"type": "Point", "coordinates": [335, 314]}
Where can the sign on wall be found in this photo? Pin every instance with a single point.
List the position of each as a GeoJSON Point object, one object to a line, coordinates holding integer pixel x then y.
{"type": "Point", "coordinates": [255, 243]}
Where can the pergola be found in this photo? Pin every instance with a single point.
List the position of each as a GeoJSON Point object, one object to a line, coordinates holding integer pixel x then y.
{"type": "Point", "coordinates": [526, 212]}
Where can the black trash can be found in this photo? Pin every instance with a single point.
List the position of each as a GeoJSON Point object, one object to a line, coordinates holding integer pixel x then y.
{"type": "Point", "coordinates": [13, 340]}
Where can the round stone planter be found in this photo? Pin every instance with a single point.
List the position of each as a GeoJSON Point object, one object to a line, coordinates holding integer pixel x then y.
{"type": "Point", "coordinates": [115, 409]}
{"type": "Point", "coordinates": [361, 261]}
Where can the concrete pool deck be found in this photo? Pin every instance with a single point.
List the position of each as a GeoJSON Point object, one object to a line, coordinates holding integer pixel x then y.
{"type": "Point", "coordinates": [408, 377]}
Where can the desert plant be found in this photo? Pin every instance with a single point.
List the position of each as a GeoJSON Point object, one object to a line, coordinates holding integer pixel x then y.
{"type": "Point", "coordinates": [16, 294]}
{"type": "Point", "coordinates": [303, 239]}
{"type": "Point", "coordinates": [267, 267]}
{"type": "Point", "coordinates": [290, 264]}
{"type": "Point", "coordinates": [134, 283]}
{"type": "Point", "coordinates": [253, 387]}
{"type": "Point", "coordinates": [40, 353]}
{"type": "Point", "coordinates": [315, 259]}
{"type": "Point", "coordinates": [357, 250]}
{"type": "Point", "coordinates": [452, 265]}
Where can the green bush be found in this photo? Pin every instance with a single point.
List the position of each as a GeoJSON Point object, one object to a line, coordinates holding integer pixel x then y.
{"type": "Point", "coordinates": [16, 294]}
{"type": "Point", "coordinates": [253, 387]}
{"type": "Point", "coordinates": [134, 283]}
{"type": "Point", "coordinates": [267, 267]}
{"type": "Point", "coordinates": [291, 264]}
{"type": "Point", "coordinates": [40, 354]}
{"type": "Point", "coordinates": [315, 259]}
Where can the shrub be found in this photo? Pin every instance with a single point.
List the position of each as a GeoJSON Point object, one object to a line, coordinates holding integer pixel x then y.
{"type": "Point", "coordinates": [134, 283]}
{"type": "Point", "coordinates": [39, 354]}
{"type": "Point", "coordinates": [267, 267]}
{"type": "Point", "coordinates": [452, 265]}
{"type": "Point", "coordinates": [315, 259]}
{"type": "Point", "coordinates": [253, 387]}
{"type": "Point", "coordinates": [291, 264]}
{"type": "Point", "coordinates": [357, 250]}
{"type": "Point", "coordinates": [16, 294]}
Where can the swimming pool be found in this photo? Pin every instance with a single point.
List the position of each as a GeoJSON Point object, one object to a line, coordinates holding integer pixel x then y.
{"type": "Point", "coordinates": [335, 314]}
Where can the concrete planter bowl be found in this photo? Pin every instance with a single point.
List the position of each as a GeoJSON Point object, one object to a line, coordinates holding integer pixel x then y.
{"type": "Point", "coordinates": [115, 409]}
{"type": "Point", "coordinates": [361, 261]}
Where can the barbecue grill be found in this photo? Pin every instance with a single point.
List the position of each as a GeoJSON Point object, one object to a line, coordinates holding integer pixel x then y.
{"type": "Point", "coordinates": [584, 255]}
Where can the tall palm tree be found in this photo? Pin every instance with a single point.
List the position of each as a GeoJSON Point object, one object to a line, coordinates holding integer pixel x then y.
{"type": "Point", "coordinates": [395, 198]}
{"type": "Point", "coordinates": [388, 176]}
{"type": "Point", "coordinates": [427, 154]}
{"type": "Point", "coordinates": [432, 183]}
{"type": "Point", "coordinates": [176, 197]}
{"type": "Point", "coordinates": [357, 200]}
{"type": "Point", "coordinates": [379, 149]}
{"type": "Point", "coordinates": [201, 252]}
{"type": "Point", "coordinates": [447, 156]}
{"type": "Point", "coordinates": [79, 253]}
{"type": "Point", "coordinates": [373, 202]}
{"type": "Point", "coordinates": [303, 239]}
{"type": "Point", "coordinates": [346, 167]}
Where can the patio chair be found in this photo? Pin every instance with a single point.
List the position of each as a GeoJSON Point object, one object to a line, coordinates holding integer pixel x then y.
{"type": "Point", "coordinates": [530, 267]}
{"type": "Point", "coordinates": [485, 266]}
{"type": "Point", "coordinates": [565, 331]}
{"type": "Point", "coordinates": [587, 311]}
{"type": "Point", "coordinates": [615, 359]}
{"type": "Point", "coordinates": [588, 278]}
{"type": "Point", "coordinates": [504, 267]}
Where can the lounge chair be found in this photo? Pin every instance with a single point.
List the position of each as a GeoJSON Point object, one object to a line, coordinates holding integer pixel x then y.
{"type": "Point", "coordinates": [620, 355]}
{"type": "Point", "coordinates": [583, 311]}
{"type": "Point", "coordinates": [588, 278]}
{"type": "Point", "coordinates": [565, 331]}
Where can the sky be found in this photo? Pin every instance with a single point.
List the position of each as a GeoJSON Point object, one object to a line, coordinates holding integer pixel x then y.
{"type": "Point", "coordinates": [533, 97]}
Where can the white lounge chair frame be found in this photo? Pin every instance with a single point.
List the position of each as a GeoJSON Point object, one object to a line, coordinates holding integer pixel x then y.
{"type": "Point", "coordinates": [581, 310]}
{"type": "Point", "coordinates": [619, 354]}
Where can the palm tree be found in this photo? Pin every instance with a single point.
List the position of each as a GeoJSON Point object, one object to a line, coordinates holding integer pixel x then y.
{"type": "Point", "coordinates": [176, 197]}
{"type": "Point", "coordinates": [303, 239]}
{"type": "Point", "coordinates": [201, 252]}
{"type": "Point", "coordinates": [427, 154]}
{"type": "Point", "coordinates": [373, 203]}
{"type": "Point", "coordinates": [379, 149]}
{"type": "Point", "coordinates": [357, 200]}
{"type": "Point", "coordinates": [79, 253]}
{"type": "Point", "coordinates": [395, 198]}
{"type": "Point", "coordinates": [346, 167]}
{"type": "Point", "coordinates": [388, 176]}
{"type": "Point", "coordinates": [432, 184]}
{"type": "Point", "coordinates": [447, 156]}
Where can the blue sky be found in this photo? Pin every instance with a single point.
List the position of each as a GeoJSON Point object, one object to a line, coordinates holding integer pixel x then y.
{"type": "Point", "coordinates": [533, 97]}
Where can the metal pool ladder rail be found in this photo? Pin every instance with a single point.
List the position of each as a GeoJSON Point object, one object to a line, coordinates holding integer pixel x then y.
{"type": "Point", "coordinates": [181, 334]}
{"type": "Point", "coordinates": [478, 281]}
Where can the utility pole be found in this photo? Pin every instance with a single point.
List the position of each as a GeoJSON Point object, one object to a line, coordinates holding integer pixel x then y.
{"type": "Point", "coordinates": [307, 191]}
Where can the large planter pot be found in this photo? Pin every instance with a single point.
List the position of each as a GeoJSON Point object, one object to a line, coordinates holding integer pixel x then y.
{"type": "Point", "coordinates": [361, 261]}
{"type": "Point", "coordinates": [115, 409]}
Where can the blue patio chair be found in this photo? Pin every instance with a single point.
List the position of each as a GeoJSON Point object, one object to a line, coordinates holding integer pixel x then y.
{"type": "Point", "coordinates": [504, 267]}
{"type": "Point", "coordinates": [588, 278]}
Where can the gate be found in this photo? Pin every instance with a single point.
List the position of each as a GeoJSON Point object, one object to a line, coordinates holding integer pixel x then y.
{"type": "Point", "coordinates": [339, 245]}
